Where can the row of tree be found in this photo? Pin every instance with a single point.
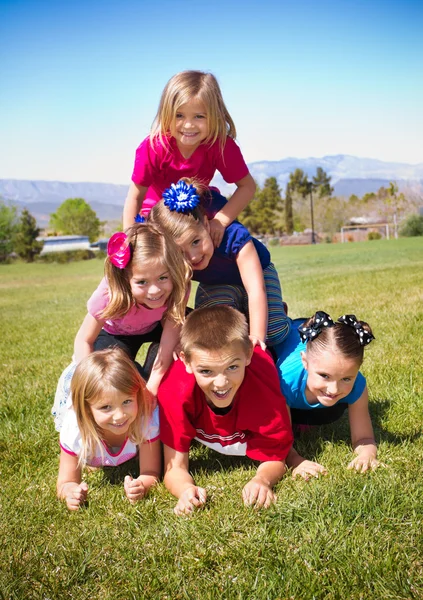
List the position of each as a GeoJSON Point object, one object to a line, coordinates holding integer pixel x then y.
{"type": "Point", "coordinates": [309, 203]}
{"type": "Point", "coordinates": [268, 213]}
{"type": "Point", "coordinates": [19, 232]}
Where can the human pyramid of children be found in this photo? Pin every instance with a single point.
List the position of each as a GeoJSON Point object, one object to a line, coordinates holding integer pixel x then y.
{"type": "Point", "coordinates": [236, 373]}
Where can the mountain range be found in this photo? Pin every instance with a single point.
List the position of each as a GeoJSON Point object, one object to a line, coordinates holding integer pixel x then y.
{"type": "Point", "coordinates": [350, 175]}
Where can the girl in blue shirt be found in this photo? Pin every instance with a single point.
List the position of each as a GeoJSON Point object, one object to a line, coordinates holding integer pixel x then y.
{"type": "Point", "coordinates": [318, 367]}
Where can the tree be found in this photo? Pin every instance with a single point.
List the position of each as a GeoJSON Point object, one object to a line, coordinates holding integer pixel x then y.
{"type": "Point", "coordinates": [261, 214]}
{"type": "Point", "coordinates": [396, 202]}
{"type": "Point", "coordinates": [289, 217]}
{"type": "Point", "coordinates": [25, 243]}
{"type": "Point", "coordinates": [7, 229]}
{"type": "Point", "coordinates": [75, 216]}
{"type": "Point", "coordinates": [321, 183]}
{"type": "Point", "coordinates": [413, 226]}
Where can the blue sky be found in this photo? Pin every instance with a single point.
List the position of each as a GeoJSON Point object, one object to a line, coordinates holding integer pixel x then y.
{"type": "Point", "coordinates": [81, 80]}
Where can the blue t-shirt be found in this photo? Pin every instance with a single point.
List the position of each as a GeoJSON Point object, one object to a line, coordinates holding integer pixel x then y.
{"type": "Point", "coordinates": [222, 268]}
{"type": "Point", "coordinates": [293, 375]}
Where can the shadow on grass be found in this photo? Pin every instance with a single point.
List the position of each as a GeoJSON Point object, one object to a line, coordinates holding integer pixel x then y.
{"type": "Point", "coordinates": [339, 431]}
{"type": "Point", "coordinates": [202, 459]}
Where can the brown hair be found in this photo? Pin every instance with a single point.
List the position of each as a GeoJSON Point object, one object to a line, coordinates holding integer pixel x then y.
{"type": "Point", "coordinates": [176, 224]}
{"type": "Point", "coordinates": [148, 244]}
{"type": "Point", "coordinates": [343, 338]}
{"type": "Point", "coordinates": [95, 376]}
{"type": "Point", "coordinates": [212, 328]}
{"type": "Point", "coordinates": [182, 88]}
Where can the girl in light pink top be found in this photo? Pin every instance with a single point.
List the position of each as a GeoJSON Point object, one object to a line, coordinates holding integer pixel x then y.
{"type": "Point", "coordinates": [142, 298]}
{"type": "Point", "coordinates": [192, 136]}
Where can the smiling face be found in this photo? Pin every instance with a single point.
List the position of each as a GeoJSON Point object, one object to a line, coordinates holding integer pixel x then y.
{"type": "Point", "coordinates": [219, 373]}
{"type": "Point", "coordinates": [114, 412]}
{"type": "Point", "coordinates": [197, 246]}
{"type": "Point", "coordinates": [190, 126]}
{"type": "Point", "coordinates": [151, 284]}
{"type": "Point", "coordinates": [331, 376]}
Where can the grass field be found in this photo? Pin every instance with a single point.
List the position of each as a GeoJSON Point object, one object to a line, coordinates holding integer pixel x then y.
{"type": "Point", "coordinates": [342, 536]}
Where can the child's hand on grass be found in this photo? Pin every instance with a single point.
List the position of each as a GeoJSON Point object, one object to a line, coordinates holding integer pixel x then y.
{"type": "Point", "coordinates": [74, 494]}
{"type": "Point", "coordinates": [365, 461]}
{"type": "Point", "coordinates": [258, 494]}
{"type": "Point", "coordinates": [134, 489]}
{"type": "Point", "coordinates": [307, 469]}
{"type": "Point", "coordinates": [193, 497]}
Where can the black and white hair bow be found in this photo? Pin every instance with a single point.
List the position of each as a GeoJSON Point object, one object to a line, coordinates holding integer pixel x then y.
{"type": "Point", "coordinates": [365, 337]}
{"type": "Point", "coordinates": [321, 320]}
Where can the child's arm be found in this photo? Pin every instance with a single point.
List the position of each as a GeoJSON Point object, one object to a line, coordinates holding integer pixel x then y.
{"type": "Point", "coordinates": [300, 465]}
{"type": "Point", "coordinates": [245, 191]}
{"type": "Point", "coordinates": [133, 203]}
{"type": "Point", "coordinates": [86, 336]}
{"type": "Point", "coordinates": [179, 482]}
{"type": "Point", "coordinates": [69, 486]}
{"type": "Point", "coordinates": [150, 461]}
{"type": "Point", "coordinates": [258, 492]}
{"type": "Point", "coordinates": [252, 277]}
{"type": "Point", "coordinates": [362, 436]}
{"type": "Point", "coordinates": [168, 342]}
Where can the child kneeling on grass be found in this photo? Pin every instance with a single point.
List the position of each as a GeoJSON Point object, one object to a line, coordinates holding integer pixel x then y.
{"type": "Point", "coordinates": [226, 395]}
{"type": "Point", "coordinates": [318, 366]}
{"type": "Point", "coordinates": [110, 421]}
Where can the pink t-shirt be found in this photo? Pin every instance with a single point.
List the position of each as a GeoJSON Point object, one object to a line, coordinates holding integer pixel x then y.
{"type": "Point", "coordinates": [157, 167]}
{"type": "Point", "coordinates": [137, 321]}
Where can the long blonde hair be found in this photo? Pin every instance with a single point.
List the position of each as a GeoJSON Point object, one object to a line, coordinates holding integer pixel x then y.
{"type": "Point", "coordinates": [148, 244]}
{"type": "Point", "coordinates": [95, 376]}
{"type": "Point", "coordinates": [182, 88]}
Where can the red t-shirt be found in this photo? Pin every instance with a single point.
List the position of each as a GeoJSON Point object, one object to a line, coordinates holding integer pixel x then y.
{"type": "Point", "coordinates": [257, 425]}
{"type": "Point", "coordinates": [157, 167]}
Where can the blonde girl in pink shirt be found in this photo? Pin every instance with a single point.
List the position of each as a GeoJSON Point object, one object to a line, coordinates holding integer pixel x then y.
{"type": "Point", "coordinates": [192, 136]}
{"type": "Point", "coordinates": [142, 298]}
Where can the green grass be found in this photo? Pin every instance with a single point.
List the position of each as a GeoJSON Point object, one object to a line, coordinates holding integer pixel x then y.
{"type": "Point", "coordinates": [342, 536]}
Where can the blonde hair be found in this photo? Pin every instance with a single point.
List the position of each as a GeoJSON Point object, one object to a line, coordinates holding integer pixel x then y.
{"type": "Point", "coordinates": [95, 376]}
{"type": "Point", "coordinates": [148, 244]}
{"type": "Point", "coordinates": [182, 88]}
{"type": "Point", "coordinates": [212, 328]}
{"type": "Point", "coordinates": [176, 224]}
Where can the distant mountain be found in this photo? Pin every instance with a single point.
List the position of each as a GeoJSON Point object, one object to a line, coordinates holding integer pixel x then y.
{"type": "Point", "coordinates": [350, 175]}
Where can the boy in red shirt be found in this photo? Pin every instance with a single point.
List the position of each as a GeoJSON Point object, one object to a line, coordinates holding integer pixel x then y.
{"type": "Point", "coordinates": [226, 395]}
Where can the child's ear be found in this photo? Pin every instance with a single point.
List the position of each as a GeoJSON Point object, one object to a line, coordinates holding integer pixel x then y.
{"type": "Point", "coordinates": [186, 363]}
{"type": "Point", "coordinates": [206, 224]}
{"type": "Point", "coordinates": [249, 356]}
{"type": "Point", "coordinates": [304, 360]}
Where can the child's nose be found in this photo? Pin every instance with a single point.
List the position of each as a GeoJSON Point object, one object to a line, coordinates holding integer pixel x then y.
{"type": "Point", "coordinates": [333, 387]}
{"type": "Point", "coordinates": [221, 380]}
{"type": "Point", "coordinates": [119, 414]}
{"type": "Point", "coordinates": [153, 288]}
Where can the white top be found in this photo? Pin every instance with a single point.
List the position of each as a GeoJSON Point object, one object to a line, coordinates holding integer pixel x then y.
{"type": "Point", "coordinates": [71, 442]}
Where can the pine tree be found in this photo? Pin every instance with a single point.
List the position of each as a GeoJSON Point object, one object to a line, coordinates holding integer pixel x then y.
{"type": "Point", "coordinates": [289, 216]}
{"type": "Point", "coordinates": [25, 242]}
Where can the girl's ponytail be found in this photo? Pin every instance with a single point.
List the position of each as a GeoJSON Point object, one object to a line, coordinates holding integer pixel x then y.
{"type": "Point", "coordinates": [348, 335]}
